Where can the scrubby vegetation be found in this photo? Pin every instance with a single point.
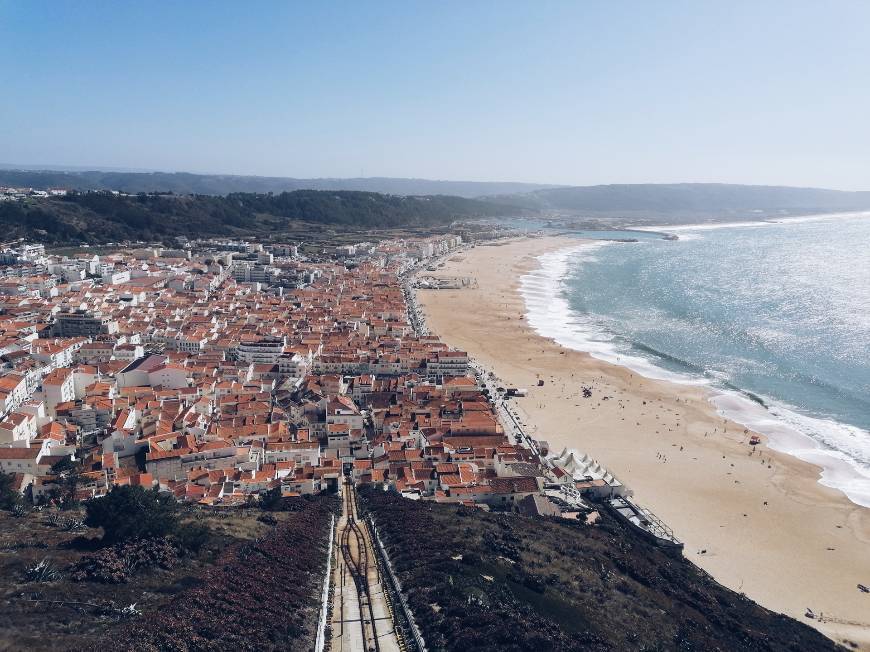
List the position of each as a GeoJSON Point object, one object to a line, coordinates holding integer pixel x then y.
{"type": "Point", "coordinates": [258, 596]}
{"type": "Point", "coordinates": [133, 514]}
{"type": "Point", "coordinates": [9, 497]}
{"type": "Point", "coordinates": [62, 587]}
{"type": "Point", "coordinates": [127, 513]}
{"type": "Point", "coordinates": [487, 582]}
{"type": "Point", "coordinates": [118, 563]}
{"type": "Point", "coordinates": [99, 217]}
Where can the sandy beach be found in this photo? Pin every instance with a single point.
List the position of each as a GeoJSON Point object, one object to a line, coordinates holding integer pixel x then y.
{"type": "Point", "coordinates": [769, 529]}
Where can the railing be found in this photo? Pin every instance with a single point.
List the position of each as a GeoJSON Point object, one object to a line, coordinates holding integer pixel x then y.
{"type": "Point", "coordinates": [324, 605]}
{"type": "Point", "coordinates": [656, 525]}
{"type": "Point", "coordinates": [397, 588]}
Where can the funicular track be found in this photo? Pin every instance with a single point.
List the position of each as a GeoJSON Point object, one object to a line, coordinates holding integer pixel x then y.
{"type": "Point", "coordinates": [364, 608]}
{"type": "Point", "coordinates": [355, 550]}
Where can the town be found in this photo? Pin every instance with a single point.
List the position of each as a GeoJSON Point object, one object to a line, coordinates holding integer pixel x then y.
{"type": "Point", "coordinates": [9, 193]}
{"type": "Point", "coordinates": [224, 375]}
{"type": "Point", "coordinates": [223, 372]}
{"type": "Point", "coordinates": [220, 370]}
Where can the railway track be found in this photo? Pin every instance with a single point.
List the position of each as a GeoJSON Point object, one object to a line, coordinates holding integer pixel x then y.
{"type": "Point", "coordinates": [365, 620]}
{"type": "Point", "coordinates": [356, 553]}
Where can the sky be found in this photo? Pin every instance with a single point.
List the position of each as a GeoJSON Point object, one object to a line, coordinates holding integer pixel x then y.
{"type": "Point", "coordinates": [580, 93]}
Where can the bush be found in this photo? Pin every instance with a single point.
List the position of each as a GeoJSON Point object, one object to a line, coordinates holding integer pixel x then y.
{"type": "Point", "coordinates": [261, 595]}
{"type": "Point", "coordinates": [128, 513]}
{"type": "Point", "coordinates": [117, 564]}
{"type": "Point", "coordinates": [192, 537]}
{"type": "Point", "coordinates": [271, 500]}
{"type": "Point", "coordinates": [9, 498]}
{"type": "Point", "coordinates": [42, 571]}
{"type": "Point", "coordinates": [133, 513]}
{"type": "Point", "coordinates": [268, 519]}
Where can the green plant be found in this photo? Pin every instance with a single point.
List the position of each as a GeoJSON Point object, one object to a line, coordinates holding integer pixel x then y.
{"type": "Point", "coordinates": [271, 499]}
{"type": "Point", "coordinates": [68, 473]}
{"type": "Point", "coordinates": [127, 513]}
{"type": "Point", "coordinates": [42, 571]}
{"type": "Point", "coordinates": [72, 524]}
{"type": "Point", "coordinates": [9, 497]}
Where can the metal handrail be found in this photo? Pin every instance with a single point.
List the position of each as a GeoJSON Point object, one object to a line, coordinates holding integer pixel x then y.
{"type": "Point", "coordinates": [415, 631]}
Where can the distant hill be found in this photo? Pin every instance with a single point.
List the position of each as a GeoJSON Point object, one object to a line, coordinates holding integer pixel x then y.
{"type": "Point", "coordinates": [186, 183]}
{"type": "Point", "coordinates": [636, 202]}
{"type": "Point", "coordinates": [100, 217]}
{"type": "Point", "coordinates": [700, 199]}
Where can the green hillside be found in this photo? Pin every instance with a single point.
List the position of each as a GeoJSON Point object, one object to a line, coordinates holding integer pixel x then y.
{"type": "Point", "coordinates": [100, 217]}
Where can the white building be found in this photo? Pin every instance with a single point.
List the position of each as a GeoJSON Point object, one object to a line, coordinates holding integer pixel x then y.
{"type": "Point", "coordinates": [267, 350]}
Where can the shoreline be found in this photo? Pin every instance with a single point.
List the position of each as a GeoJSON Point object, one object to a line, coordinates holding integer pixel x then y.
{"type": "Point", "coordinates": [767, 527]}
{"type": "Point", "coordinates": [781, 426]}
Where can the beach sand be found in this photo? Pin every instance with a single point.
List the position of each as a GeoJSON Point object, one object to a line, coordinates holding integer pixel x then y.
{"type": "Point", "coordinates": [770, 530]}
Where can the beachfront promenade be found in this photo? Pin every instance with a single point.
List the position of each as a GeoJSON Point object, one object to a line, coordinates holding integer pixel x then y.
{"type": "Point", "coordinates": [516, 430]}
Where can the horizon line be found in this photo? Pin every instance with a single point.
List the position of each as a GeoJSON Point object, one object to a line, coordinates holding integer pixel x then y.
{"type": "Point", "coordinates": [74, 169]}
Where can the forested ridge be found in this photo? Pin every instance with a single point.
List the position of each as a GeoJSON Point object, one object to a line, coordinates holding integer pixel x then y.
{"type": "Point", "coordinates": [99, 217]}
{"type": "Point", "coordinates": [186, 183]}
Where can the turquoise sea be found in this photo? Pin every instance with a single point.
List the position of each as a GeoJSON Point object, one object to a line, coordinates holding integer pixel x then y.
{"type": "Point", "coordinates": [774, 316]}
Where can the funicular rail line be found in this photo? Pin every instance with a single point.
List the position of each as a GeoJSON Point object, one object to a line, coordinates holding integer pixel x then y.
{"type": "Point", "coordinates": [355, 549]}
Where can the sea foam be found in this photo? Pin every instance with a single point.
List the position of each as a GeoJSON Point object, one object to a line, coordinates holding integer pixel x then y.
{"type": "Point", "coordinates": [549, 314]}
{"type": "Point", "coordinates": [840, 450]}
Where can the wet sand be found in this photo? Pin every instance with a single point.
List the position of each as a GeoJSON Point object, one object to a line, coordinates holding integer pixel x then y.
{"type": "Point", "coordinates": [769, 529]}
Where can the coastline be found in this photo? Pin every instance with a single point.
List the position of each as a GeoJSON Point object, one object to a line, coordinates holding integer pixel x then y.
{"type": "Point", "coordinates": [768, 527]}
{"type": "Point", "coordinates": [783, 428]}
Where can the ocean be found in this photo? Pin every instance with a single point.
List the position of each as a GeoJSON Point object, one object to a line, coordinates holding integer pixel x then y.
{"type": "Point", "coordinates": [773, 316]}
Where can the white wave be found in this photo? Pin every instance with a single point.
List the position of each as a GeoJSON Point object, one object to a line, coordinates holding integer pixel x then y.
{"type": "Point", "coordinates": [771, 221]}
{"type": "Point", "coordinates": [840, 450]}
{"type": "Point", "coordinates": [836, 447]}
{"type": "Point", "coordinates": [548, 313]}
{"type": "Point", "coordinates": [715, 226]}
{"type": "Point", "coordinates": [822, 217]}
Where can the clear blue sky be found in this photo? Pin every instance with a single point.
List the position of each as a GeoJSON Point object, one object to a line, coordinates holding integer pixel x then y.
{"type": "Point", "coordinates": [563, 92]}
